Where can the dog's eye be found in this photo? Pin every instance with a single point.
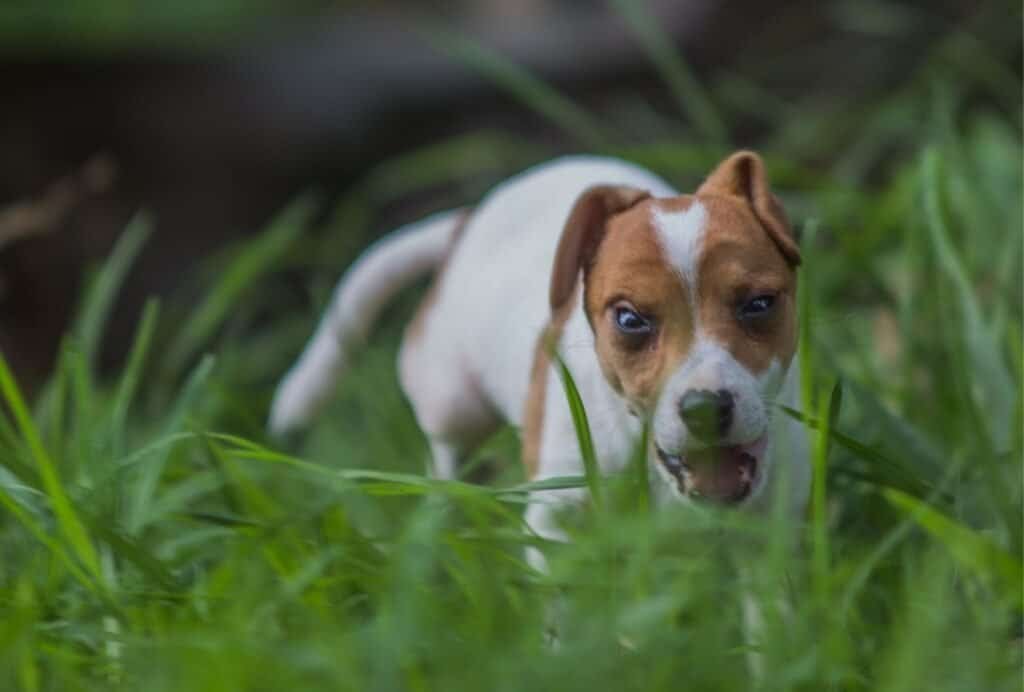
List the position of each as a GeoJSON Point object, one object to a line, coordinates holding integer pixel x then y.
{"type": "Point", "coordinates": [756, 307]}
{"type": "Point", "coordinates": [629, 321]}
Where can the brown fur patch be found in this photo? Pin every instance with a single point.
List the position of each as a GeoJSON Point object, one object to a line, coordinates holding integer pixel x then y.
{"type": "Point", "coordinates": [739, 261]}
{"type": "Point", "coordinates": [743, 175]}
{"type": "Point", "coordinates": [416, 325]}
{"type": "Point", "coordinates": [631, 270]}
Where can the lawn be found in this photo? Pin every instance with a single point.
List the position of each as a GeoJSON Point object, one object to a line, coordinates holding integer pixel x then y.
{"type": "Point", "coordinates": [155, 538]}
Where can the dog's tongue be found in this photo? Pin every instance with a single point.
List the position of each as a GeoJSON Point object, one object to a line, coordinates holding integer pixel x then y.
{"type": "Point", "coordinates": [724, 474]}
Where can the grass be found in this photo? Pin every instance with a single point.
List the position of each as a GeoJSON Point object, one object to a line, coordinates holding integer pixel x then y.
{"type": "Point", "coordinates": [153, 538]}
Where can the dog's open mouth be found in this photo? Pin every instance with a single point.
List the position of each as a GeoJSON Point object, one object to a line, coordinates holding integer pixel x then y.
{"type": "Point", "coordinates": [725, 474]}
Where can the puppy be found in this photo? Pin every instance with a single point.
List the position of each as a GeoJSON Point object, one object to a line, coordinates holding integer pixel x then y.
{"type": "Point", "coordinates": [677, 309]}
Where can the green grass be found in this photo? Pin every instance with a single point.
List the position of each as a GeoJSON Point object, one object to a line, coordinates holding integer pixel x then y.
{"type": "Point", "coordinates": [153, 538]}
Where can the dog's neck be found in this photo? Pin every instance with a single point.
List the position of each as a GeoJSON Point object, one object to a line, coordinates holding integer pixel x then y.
{"type": "Point", "coordinates": [789, 447]}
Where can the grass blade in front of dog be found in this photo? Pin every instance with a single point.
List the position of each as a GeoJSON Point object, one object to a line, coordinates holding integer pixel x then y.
{"type": "Point", "coordinates": [582, 426]}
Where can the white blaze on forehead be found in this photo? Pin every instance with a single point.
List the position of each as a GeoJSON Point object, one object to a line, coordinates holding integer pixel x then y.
{"type": "Point", "coordinates": [681, 234]}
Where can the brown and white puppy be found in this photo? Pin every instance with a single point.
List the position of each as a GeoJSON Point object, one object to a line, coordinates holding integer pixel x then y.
{"type": "Point", "coordinates": [679, 309]}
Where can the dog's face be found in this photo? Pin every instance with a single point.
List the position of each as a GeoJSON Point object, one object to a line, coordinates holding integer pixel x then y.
{"type": "Point", "coordinates": [692, 304]}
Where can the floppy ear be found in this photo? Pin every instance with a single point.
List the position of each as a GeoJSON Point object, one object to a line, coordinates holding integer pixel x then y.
{"type": "Point", "coordinates": [742, 174]}
{"type": "Point", "coordinates": [583, 233]}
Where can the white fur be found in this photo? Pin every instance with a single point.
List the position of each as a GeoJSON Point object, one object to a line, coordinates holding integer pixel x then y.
{"type": "Point", "coordinates": [710, 367]}
{"type": "Point", "coordinates": [497, 280]}
{"type": "Point", "coordinates": [681, 235]}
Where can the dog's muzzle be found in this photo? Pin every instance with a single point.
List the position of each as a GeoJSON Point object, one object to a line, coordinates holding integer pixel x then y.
{"type": "Point", "coordinates": [723, 474]}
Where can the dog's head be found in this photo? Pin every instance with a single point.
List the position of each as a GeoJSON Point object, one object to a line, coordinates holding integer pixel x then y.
{"type": "Point", "coordinates": [692, 301]}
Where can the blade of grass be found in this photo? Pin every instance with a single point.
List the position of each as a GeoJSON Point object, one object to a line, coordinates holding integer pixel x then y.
{"type": "Point", "coordinates": [834, 405]}
{"type": "Point", "coordinates": [143, 492]}
{"type": "Point", "coordinates": [990, 389]}
{"type": "Point", "coordinates": [974, 551]}
{"type": "Point", "coordinates": [819, 507]}
{"type": "Point", "coordinates": [52, 404]}
{"type": "Point", "coordinates": [27, 665]}
{"type": "Point", "coordinates": [638, 470]}
{"type": "Point", "coordinates": [82, 450]}
{"type": "Point", "coordinates": [255, 259]}
{"type": "Point", "coordinates": [12, 455]}
{"type": "Point", "coordinates": [473, 157]}
{"type": "Point", "coordinates": [806, 348]}
{"type": "Point", "coordinates": [921, 455]}
{"type": "Point", "coordinates": [690, 96]}
{"type": "Point", "coordinates": [518, 81]}
{"type": "Point", "coordinates": [176, 498]}
{"type": "Point", "coordinates": [134, 552]}
{"type": "Point", "coordinates": [552, 483]}
{"type": "Point", "coordinates": [369, 482]}
{"type": "Point", "coordinates": [92, 316]}
{"type": "Point", "coordinates": [868, 564]}
{"type": "Point", "coordinates": [892, 471]}
{"type": "Point", "coordinates": [67, 518]}
{"type": "Point", "coordinates": [40, 534]}
{"type": "Point", "coordinates": [582, 426]}
{"type": "Point", "coordinates": [132, 372]}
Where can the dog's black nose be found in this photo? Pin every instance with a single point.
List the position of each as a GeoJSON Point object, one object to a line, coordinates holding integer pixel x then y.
{"type": "Point", "coordinates": [707, 414]}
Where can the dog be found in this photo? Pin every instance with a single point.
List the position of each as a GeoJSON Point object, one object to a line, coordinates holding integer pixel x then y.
{"type": "Point", "coordinates": [678, 310]}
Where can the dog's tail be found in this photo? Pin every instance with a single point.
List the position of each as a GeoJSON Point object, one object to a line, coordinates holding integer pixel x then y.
{"type": "Point", "coordinates": [385, 268]}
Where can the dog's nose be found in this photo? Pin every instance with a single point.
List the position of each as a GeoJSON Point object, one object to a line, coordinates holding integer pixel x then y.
{"type": "Point", "coordinates": [707, 414]}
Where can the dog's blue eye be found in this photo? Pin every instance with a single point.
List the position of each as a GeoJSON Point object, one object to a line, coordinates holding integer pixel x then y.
{"type": "Point", "coordinates": [757, 307]}
{"type": "Point", "coordinates": [630, 322]}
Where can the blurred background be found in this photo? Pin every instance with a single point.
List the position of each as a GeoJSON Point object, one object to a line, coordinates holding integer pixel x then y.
{"type": "Point", "coordinates": [213, 115]}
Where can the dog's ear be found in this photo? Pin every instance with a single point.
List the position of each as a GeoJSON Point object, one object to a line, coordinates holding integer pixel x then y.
{"type": "Point", "coordinates": [583, 233]}
{"type": "Point", "coordinates": [742, 174]}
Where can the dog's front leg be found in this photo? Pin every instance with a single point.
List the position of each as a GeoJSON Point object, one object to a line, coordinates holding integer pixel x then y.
{"type": "Point", "coordinates": [542, 519]}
